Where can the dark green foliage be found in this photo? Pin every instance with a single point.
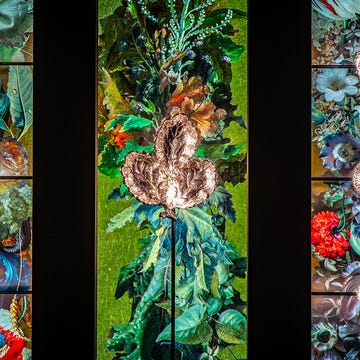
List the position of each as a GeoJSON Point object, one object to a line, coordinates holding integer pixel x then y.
{"type": "Point", "coordinates": [147, 60]}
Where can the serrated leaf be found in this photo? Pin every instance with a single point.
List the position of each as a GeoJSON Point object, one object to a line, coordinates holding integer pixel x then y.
{"type": "Point", "coordinates": [155, 249]}
{"type": "Point", "coordinates": [231, 327]}
{"type": "Point", "coordinates": [20, 93]}
{"type": "Point", "coordinates": [190, 327]}
{"type": "Point", "coordinates": [198, 223]}
{"type": "Point", "coordinates": [114, 102]}
{"type": "Point", "coordinates": [221, 198]}
{"type": "Point", "coordinates": [121, 219]}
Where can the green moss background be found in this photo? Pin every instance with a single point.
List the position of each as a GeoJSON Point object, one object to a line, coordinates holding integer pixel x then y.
{"type": "Point", "coordinates": [119, 247]}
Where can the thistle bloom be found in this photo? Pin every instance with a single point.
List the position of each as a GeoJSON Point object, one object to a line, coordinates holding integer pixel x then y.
{"type": "Point", "coordinates": [323, 336]}
{"type": "Point", "coordinates": [335, 83]}
{"type": "Point", "coordinates": [340, 153]}
{"type": "Point", "coordinates": [329, 242]}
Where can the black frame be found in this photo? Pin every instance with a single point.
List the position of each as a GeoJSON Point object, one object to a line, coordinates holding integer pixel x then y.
{"type": "Point", "coordinates": [64, 296]}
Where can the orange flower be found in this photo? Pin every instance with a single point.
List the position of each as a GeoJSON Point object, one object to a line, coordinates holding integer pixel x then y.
{"type": "Point", "coordinates": [193, 88]}
{"type": "Point", "coordinates": [121, 138]}
{"type": "Point", "coordinates": [189, 97]}
{"type": "Point", "coordinates": [204, 116]}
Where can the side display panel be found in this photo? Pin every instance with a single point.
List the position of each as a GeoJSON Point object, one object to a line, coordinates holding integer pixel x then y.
{"type": "Point", "coordinates": [335, 220]}
{"type": "Point", "coordinates": [172, 180]}
{"type": "Point", "coordinates": [16, 178]}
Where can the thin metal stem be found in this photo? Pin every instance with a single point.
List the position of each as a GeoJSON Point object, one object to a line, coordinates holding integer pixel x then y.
{"type": "Point", "coordinates": [173, 263]}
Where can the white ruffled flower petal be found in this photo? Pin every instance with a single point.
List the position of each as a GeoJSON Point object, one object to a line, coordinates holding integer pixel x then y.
{"type": "Point", "coordinates": [351, 79]}
{"type": "Point", "coordinates": [321, 88]}
{"type": "Point", "coordinates": [351, 90]}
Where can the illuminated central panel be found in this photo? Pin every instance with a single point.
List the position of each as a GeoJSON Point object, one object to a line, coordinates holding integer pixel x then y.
{"type": "Point", "coordinates": [335, 220]}
{"type": "Point", "coordinates": [172, 180]}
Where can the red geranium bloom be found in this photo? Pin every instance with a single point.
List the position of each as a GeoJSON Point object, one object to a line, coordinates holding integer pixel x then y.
{"type": "Point", "coordinates": [328, 241]}
{"type": "Point", "coordinates": [121, 138]}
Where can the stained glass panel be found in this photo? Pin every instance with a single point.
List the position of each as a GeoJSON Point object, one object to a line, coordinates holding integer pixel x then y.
{"type": "Point", "coordinates": [172, 180]}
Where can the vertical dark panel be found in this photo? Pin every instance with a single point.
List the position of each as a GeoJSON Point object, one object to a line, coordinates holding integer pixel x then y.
{"type": "Point", "coordinates": [279, 176]}
{"type": "Point", "coordinates": [64, 102]}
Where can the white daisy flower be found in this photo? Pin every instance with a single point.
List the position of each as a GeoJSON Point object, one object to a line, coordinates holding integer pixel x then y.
{"type": "Point", "coordinates": [335, 83]}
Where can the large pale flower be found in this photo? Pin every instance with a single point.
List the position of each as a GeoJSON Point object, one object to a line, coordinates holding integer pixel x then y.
{"type": "Point", "coordinates": [337, 10]}
{"type": "Point", "coordinates": [335, 83]}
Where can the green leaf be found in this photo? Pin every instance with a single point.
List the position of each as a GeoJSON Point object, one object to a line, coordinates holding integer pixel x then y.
{"type": "Point", "coordinates": [237, 135]}
{"type": "Point", "coordinates": [190, 327]}
{"type": "Point", "coordinates": [198, 223]}
{"type": "Point", "coordinates": [4, 111]}
{"type": "Point", "coordinates": [221, 199]}
{"type": "Point", "coordinates": [120, 220]}
{"type": "Point", "coordinates": [231, 327]}
{"type": "Point", "coordinates": [229, 47]}
{"type": "Point", "coordinates": [354, 239]}
{"type": "Point", "coordinates": [129, 123]}
{"type": "Point", "coordinates": [214, 306]}
{"type": "Point", "coordinates": [155, 249]}
{"type": "Point", "coordinates": [200, 273]}
{"type": "Point", "coordinates": [20, 92]}
{"type": "Point", "coordinates": [317, 116]}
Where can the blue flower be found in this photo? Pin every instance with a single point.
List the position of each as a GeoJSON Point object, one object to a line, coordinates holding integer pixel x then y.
{"type": "Point", "coordinates": [340, 153]}
{"type": "Point", "coordinates": [335, 83]}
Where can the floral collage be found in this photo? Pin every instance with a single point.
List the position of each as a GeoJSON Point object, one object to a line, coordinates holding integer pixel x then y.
{"type": "Point", "coordinates": [335, 152]}
{"type": "Point", "coordinates": [16, 178]}
{"type": "Point", "coordinates": [172, 171]}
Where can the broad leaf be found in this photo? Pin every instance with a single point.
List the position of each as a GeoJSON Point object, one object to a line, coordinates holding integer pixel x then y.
{"type": "Point", "coordinates": [20, 92]}
{"type": "Point", "coordinates": [198, 223]}
{"type": "Point", "coordinates": [129, 123]}
{"type": "Point", "coordinates": [231, 327]}
{"type": "Point", "coordinates": [190, 327]}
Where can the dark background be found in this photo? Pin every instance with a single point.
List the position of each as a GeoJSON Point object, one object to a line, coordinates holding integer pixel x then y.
{"type": "Point", "coordinates": [64, 180]}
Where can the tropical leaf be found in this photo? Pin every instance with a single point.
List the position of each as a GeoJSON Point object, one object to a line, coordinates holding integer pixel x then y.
{"type": "Point", "coordinates": [190, 327]}
{"type": "Point", "coordinates": [20, 92]}
{"type": "Point", "coordinates": [231, 327]}
{"type": "Point", "coordinates": [230, 48]}
{"type": "Point", "coordinates": [129, 123]}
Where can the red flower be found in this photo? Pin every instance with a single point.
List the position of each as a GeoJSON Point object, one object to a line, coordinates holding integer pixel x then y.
{"type": "Point", "coordinates": [328, 240]}
{"type": "Point", "coordinates": [121, 138]}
